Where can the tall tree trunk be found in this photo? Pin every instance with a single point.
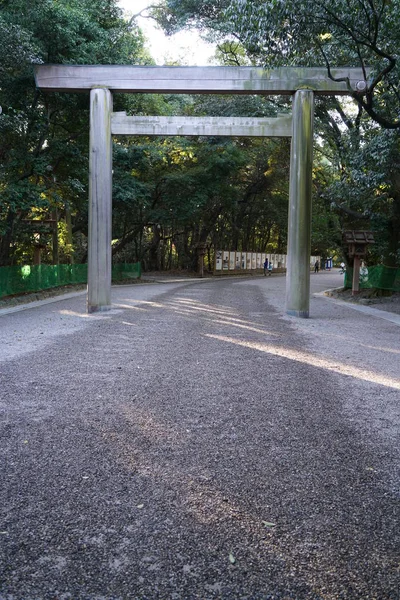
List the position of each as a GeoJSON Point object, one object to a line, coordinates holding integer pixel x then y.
{"type": "Point", "coordinates": [55, 249]}
{"type": "Point", "coordinates": [6, 239]}
{"type": "Point", "coordinates": [392, 258]}
{"type": "Point", "coordinates": [68, 222]}
{"type": "Point", "coordinates": [154, 250]}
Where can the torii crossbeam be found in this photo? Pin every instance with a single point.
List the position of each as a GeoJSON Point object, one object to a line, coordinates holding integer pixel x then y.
{"type": "Point", "coordinates": [103, 80]}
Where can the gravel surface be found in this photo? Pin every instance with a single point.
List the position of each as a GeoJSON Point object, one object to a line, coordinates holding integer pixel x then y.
{"type": "Point", "coordinates": [197, 443]}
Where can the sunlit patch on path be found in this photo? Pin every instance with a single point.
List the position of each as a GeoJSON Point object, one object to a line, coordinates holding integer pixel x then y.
{"type": "Point", "coordinates": [313, 360]}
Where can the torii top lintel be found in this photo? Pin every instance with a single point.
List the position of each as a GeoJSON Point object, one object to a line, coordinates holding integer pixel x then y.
{"type": "Point", "coordinates": [198, 80]}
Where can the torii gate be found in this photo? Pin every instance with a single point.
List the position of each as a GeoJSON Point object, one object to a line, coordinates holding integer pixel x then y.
{"type": "Point", "coordinates": [103, 80]}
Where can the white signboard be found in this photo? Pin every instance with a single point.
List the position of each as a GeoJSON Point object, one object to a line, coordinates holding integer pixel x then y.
{"type": "Point", "coordinates": [226, 260]}
{"type": "Point", "coordinates": [218, 260]}
{"type": "Point", "coordinates": [238, 260]}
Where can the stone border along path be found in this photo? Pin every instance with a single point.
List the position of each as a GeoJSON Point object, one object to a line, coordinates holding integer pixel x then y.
{"type": "Point", "coordinates": [368, 310]}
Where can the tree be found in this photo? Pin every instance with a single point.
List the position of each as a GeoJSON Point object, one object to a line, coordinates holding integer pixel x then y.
{"type": "Point", "coordinates": [184, 191]}
{"type": "Point", "coordinates": [363, 33]}
{"type": "Point", "coordinates": [43, 153]}
{"type": "Point", "coordinates": [353, 188]}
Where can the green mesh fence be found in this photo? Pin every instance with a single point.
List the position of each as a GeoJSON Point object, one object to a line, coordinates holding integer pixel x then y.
{"type": "Point", "coordinates": [19, 280]}
{"type": "Point", "coordinates": [380, 277]}
{"type": "Point", "coordinates": [125, 271]}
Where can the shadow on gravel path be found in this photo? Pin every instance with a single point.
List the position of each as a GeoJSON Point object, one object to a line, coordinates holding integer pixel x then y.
{"type": "Point", "coordinates": [178, 449]}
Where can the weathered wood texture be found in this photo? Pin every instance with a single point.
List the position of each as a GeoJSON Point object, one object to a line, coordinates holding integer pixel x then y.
{"type": "Point", "coordinates": [300, 201]}
{"type": "Point", "coordinates": [199, 80]}
{"type": "Point", "coordinates": [121, 124]}
{"type": "Point", "coordinates": [100, 202]}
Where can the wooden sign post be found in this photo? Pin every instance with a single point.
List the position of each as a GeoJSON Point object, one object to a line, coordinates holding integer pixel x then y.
{"type": "Point", "coordinates": [357, 242]}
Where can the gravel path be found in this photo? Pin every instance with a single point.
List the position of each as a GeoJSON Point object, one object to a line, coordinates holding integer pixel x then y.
{"type": "Point", "coordinates": [197, 443]}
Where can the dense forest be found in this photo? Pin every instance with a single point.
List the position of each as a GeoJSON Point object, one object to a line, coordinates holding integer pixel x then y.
{"type": "Point", "coordinates": [170, 194]}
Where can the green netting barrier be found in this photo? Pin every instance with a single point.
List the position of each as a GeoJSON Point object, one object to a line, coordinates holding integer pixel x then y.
{"type": "Point", "coordinates": [124, 271]}
{"type": "Point", "coordinates": [28, 278]}
{"type": "Point", "coordinates": [379, 277]}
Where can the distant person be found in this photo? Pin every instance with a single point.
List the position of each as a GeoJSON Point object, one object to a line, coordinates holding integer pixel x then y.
{"type": "Point", "coordinates": [342, 268]}
{"type": "Point", "coordinates": [270, 267]}
{"type": "Point", "coordinates": [265, 267]}
{"type": "Point", "coordinates": [316, 266]}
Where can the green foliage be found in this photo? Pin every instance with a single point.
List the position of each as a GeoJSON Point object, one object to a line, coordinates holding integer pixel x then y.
{"type": "Point", "coordinates": [183, 191]}
{"type": "Point", "coordinates": [305, 33]}
{"type": "Point", "coordinates": [335, 33]}
{"type": "Point", "coordinates": [44, 138]}
{"type": "Point", "coordinates": [356, 183]}
{"type": "Point", "coordinates": [367, 193]}
{"type": "Point", "coordinates": [172, 193]}
{"type": "Point", "coordinates": [205, 15]}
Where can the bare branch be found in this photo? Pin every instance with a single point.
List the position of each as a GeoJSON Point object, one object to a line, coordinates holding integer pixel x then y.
{"type": "Point", "coordinates": [140, 14]}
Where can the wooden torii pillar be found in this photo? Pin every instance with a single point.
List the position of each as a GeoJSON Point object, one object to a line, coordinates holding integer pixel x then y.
{"type": "Point", "coordinates": [100, 201]}
{"type": "Point", "coordinates": [103, 80]}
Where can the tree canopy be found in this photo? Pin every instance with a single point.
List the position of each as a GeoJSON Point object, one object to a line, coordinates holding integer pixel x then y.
{"type": "Point", "coordinates": [356, 182]}
{"type": "Point", "coordinates": [170, 194]}
{"type": "Point", "coordinates": [44, 138]}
